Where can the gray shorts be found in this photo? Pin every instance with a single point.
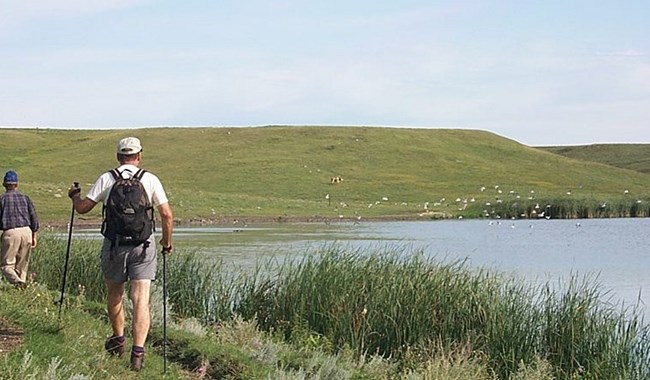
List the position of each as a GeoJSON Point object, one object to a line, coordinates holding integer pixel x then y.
{"type": "Point", "coordinates": [127, 262]}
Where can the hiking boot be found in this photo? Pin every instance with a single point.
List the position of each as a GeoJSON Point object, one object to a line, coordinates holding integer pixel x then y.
{"type": "Point", "coordinates": [137, 361]}
{"type": "Point", "coordinates": [115, 345]}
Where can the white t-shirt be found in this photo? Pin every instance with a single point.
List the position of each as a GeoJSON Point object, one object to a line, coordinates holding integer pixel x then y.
{"type": "Point", "coordinates": [102, 187]}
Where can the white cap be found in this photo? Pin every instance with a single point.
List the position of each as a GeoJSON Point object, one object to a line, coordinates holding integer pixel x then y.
{"type": "Point", "coordinates": [129, 145]}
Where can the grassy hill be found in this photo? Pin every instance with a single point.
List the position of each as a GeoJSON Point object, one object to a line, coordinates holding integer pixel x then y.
{"type": "Point", "coordinates": [626, 156]}
{"type": "Point", "coordinates": [215, 173]}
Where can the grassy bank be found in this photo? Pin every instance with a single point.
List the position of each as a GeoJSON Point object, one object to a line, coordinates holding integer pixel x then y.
{"type": "Point", "coordinates": [386, 313]}
{"type": "Point", "coordinates": [221, 174]}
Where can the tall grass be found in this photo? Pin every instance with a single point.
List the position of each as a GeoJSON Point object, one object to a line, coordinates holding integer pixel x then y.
{"type": "Point", "coordinates": [394, 302]}
{"type": "Point", "coordinates": [562, 208]}
{"type": "Point", "coordinates": [84, 273]}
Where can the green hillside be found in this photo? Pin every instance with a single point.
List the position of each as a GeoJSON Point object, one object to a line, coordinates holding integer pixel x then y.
{"type": "Point", "coordinates": [227, 173]}
{"type": "Point", "coordinates": [626, 156]}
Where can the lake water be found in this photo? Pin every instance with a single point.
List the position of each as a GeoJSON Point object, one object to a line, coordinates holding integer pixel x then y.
{"type": "Point", "coordinates": [616, 250]}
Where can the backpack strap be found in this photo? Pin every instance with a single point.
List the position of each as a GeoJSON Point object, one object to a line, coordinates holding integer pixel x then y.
{"type": "Point", "coordinates": [116, 174]}
{"type": "Point", "coordinates": [138, 175]}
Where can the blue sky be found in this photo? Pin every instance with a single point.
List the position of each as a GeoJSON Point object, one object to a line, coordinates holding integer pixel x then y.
{"type": "Point", "coordinates": [540, 72]}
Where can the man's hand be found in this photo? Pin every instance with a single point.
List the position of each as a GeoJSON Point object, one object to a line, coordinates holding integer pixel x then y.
{"type": "Point", "coordinates": [74, 190]}
{"type": "Point", "coordinates": [166, 249]}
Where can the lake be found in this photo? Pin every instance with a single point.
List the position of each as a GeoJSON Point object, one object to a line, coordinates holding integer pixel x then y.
{"type": "Point", "coordinates": [616, 250]}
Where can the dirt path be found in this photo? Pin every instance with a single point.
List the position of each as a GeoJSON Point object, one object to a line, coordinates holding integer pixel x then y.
{"type": "Point", "coordinates": [10, 337]}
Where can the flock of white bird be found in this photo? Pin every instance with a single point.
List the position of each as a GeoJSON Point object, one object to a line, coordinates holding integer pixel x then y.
{"type": "Point", "coordinates": [539, 211]}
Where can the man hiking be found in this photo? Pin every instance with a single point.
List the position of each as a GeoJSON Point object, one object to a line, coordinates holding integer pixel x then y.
{"type": "Point", "coordinates": [18, 225]}
{"type": "Point", "coordinates": [128, 194]}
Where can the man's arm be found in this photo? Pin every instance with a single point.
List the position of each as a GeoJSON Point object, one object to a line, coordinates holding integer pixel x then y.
{"type": "Point", "coordinates": [167, 218]}
{"type": "Point", "coordinates": [33, 221]}
{"type": "Point", "coordinates": [81, 206]}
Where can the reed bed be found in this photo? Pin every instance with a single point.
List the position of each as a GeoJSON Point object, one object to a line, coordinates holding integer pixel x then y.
{"type": "Point", "coordinates": [84, 273]}
{"type": "Point", "coordinates": [562, 208]}
{"type": "Point", "coordinates": [393, 302]}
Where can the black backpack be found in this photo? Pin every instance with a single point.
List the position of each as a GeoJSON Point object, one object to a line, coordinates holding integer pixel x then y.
{"type": "Point", "coordinates": [127, 214]}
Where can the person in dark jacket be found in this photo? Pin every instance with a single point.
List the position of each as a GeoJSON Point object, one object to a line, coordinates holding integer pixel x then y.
{"type": "Point", "coordinates": [19, 225]}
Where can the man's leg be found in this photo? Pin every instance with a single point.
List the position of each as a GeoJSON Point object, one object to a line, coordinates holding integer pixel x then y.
{"type": "Point", "coordinates": [141, 318]}
{"type": "Point", "coordinates": [24, 250]}
{"type": "Point", "coordinates": [115, 306]}
{"type": "Point", "coordinates": [10, 246]}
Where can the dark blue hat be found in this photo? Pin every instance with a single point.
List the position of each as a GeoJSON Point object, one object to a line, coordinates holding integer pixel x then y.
{"type": "Point", "coordinates": [10, 178]}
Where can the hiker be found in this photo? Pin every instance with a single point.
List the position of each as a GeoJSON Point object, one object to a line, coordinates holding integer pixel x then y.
{"type": "Point", "coordinates": [125, 258]}
{"type": "Point", "coordinates": [19, 225]}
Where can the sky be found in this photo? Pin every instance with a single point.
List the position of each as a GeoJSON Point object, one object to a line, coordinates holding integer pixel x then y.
{"type": "Point", "coordinates": [539, 72]}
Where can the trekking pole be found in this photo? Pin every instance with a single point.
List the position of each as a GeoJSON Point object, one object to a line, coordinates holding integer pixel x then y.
{"type": "Point", "coordinates": [164, 311]}
{"type": "Point", "coordinates": [67, 255]}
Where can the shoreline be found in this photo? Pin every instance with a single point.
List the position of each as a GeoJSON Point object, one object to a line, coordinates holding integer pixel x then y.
{"type": "Point", "coordinates": [230, 220]}
{"type": "Point", "coordinates": [252, 220]}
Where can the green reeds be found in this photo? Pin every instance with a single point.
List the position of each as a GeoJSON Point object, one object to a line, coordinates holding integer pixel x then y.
{"type": "Point", "coordinates": [562, 208]}
{"type": "Point", "coordinates": [581, 334]}
{"type": "Point", "coordinates": [199, 287]}
{"type": "Point", "coordinates": [395, 301]}
{"type": "Point", "coordinates": [84, 272]}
